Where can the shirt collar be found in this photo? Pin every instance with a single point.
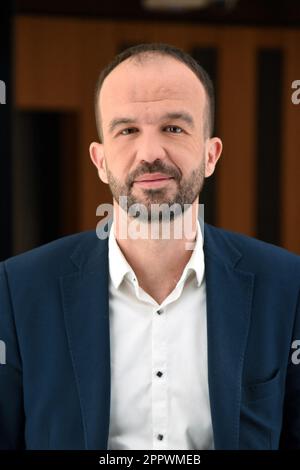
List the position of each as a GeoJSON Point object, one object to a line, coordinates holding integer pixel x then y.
{"type": "Point", "coordinates": [120, 268]}
{"type": "Point", "coordinates": [118, 265]}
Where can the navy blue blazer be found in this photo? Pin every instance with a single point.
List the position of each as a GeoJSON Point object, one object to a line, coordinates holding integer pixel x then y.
{"type": "Point", "coordinates": [55, 385]}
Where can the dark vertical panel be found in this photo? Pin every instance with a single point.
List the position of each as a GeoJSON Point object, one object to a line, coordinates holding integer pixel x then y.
{"type": "Point", "coordinates": [40, 191]}
{"type": "Point", "coordinates": [207, 58]}
{"type": "Point", "coordinates": [69, 131]}
{"type": "Point", "coordinates": [5, 130]}
{"type": "Point", "coordinates": [269, 140]}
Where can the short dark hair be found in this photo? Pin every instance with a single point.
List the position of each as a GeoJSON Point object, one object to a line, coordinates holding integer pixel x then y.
{"type": "Point", "coordinates": [161, 49]}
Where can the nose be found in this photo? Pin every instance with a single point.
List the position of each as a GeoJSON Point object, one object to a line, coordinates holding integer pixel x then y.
{"type": "Point", "coordinates": [149, 147]}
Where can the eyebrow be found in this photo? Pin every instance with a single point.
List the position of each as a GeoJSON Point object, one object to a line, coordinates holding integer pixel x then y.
{"type": "Point", "coordinates": [177, 115]}
{"type": "Point", "coordinates": [118, 122]}
{"type": "Point", "coordinates": [180, 116]}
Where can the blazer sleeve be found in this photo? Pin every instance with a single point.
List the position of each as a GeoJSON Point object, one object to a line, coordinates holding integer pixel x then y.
{"type": "Point", "coordinates": [290, 435]}
{"type": "Point", "coordinates": [12, 418]}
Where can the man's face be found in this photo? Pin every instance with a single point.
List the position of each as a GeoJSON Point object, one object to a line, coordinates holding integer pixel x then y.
{"type": "Point", "coordinates": [154, 147]}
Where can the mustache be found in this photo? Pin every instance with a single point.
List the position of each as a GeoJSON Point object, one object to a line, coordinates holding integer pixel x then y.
{"type": "Point", "coordinates": [156, 167]}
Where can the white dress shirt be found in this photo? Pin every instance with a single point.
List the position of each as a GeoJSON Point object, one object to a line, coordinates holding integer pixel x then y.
{"type": "Point", "coordinates": [159, 374]}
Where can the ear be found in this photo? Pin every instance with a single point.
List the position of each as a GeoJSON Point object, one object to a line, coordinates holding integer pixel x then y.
{"type": "Point", "coordinates": [212, 154]}
{"type": "Point", "coordinates": [97, 157]}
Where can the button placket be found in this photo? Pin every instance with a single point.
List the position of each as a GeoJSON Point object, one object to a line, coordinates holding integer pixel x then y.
{"type": "Point", "coordinates": [159, 380]}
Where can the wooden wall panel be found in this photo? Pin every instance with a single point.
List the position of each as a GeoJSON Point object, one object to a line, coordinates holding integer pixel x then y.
{"type": "Point", "coordinates": [236, 192]}
{"type": "Point", "coordinates": [48, 63]}
{"type": "Point", "coordinates": [290, 209]}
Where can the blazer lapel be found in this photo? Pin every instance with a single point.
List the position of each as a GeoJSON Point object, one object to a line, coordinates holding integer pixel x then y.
{"type": "Point", "coordinates": [229, 297]}
{"type": "Point", "coordinates": [85, 304]}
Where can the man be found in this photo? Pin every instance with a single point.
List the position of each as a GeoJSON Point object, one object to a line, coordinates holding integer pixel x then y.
{"type": "Point", "coordinates": [140, 342]}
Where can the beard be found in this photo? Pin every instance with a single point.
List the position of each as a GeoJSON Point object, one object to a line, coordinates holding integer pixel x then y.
{"type": "Point", "coordinates": [186, 192]}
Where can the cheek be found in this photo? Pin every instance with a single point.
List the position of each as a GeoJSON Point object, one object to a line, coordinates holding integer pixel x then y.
{"type": "Point", "coordinates": [118, 158]}
{"type": "Point", "coordinates": [122, 145]}
{"type": "Point", "coordinates": [187, 155]}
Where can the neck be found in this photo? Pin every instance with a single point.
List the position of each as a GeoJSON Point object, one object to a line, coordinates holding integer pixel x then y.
{"type": "Point", "coordinates": [157, 252]}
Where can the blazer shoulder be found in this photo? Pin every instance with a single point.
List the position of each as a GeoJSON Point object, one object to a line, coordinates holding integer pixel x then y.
{"type": "Point", "coordinates": [252, 251]}
{"type": "Point", "coordinates": [54, 255]}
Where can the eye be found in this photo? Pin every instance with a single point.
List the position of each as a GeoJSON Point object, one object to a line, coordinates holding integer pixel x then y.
{"type": "Point", "coordinates": [128, 130]}
{"type": "Point", "coordinates": [174, 129]}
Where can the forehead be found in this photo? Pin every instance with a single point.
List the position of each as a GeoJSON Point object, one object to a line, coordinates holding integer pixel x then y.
{"type": "Point", "coordinates": [155, 84]}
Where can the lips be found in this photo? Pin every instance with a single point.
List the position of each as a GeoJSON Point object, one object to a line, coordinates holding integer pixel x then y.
{"type": "Point", "coordinates": [153, 177]}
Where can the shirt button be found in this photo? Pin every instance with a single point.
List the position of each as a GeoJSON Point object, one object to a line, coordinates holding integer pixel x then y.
{"type": "Point", "coordinates": [159, 373]}
{"type": "Point", "coordinates": [160, 311]}
{"type": "Point", "coordinates": [160, 437]}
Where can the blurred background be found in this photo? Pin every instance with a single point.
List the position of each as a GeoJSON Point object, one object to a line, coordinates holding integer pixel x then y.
{"type": "Point", "coordinates": [51, 53]}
